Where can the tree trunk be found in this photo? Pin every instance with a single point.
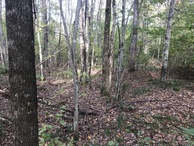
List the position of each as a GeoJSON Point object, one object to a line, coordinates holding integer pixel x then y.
{"type": "Point", "coordinates": [120, 54]}
{"type": "Point", "coordinates": [73, 63]}
{"type": "Point", "coordinates": [112, 39]}
{"type": "Point", "coordinates": [133, 48]}
{"type": "Point", "coordinates": [106, 84]}
{"type": "Point", "coordinates": [90, 48]}
{"type": "Point", "coordinates": [40, 47]}
{"type": "Point", "coordinates": [45, 30]}
{"type": "Point", "coordinates": [22, 75]}
{"type": "Point", "coordinates": [167, 41]}
{"type": "Point", "coordinates": [3, 47]}
{"type": "Point", "coordinates": [83, 41]}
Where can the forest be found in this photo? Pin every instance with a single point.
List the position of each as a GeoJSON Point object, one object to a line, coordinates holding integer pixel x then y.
{"type": "Point", "coordinates": [96, 72]}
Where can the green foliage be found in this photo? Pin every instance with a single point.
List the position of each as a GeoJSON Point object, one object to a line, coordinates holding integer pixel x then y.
{"type": "Point", "coordinates": [113, 143]}
{"type": "Point", "coordinates": [84, 78]}
{"type": "Point", "coordinates": [145, 141]}
{"type": "Point", "coordinates": [120, 119]}
{"type": "Point", "coordinates": [3, 70]}
{"type": "Point", "coordinates": [188, 134]}
{"type": "Point", "coordinates": [174, 84]}
{"type": "Point", "coordinates": [65, 74]}
{"type": "Point", "coordinates": [140, 91]}
{"type": "Point", "coordinates": [157, 1]}
{"type": "Point", "coordinates": [48, 135]}
{"type": "Point", "coordinates": [143, 60]}
{"type": "Point", "coordinates": [39, 77]}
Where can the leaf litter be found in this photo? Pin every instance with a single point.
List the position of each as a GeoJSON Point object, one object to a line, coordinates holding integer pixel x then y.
{"type": "Point", "coordinates": [148, 113]}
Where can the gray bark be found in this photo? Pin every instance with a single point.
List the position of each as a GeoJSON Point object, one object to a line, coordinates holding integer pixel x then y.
{"type": "Point", "coordinates": [167, 41]}
{"type": "Point", "coordinates": [45, 29]}
{"type": "Point", "coordinates": [133, 47]}
{"type": "Point", "coordinates": [106, 85]}
{"type": "Point", "coordinates": [22, 75]}
{"type": "Point", "coordinates": [73, 62]}
{"type": "Point", "coordinates": [3, 47]}
{"type": "Point", "coordinates": [120, 56]}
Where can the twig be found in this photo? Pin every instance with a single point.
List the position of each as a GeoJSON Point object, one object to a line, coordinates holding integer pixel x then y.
{"type": "Point", "coordinates": [50, 57]}
{"type": "Point", "coordinates": [5, 94]}
{"type": "Point", "coordinates": [5, 118]}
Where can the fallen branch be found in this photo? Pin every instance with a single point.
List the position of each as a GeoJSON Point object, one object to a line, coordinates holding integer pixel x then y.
{"type": "Point", "coordinates": [5, 118]}
{"type": "Point", "coordinates": [5, 94]}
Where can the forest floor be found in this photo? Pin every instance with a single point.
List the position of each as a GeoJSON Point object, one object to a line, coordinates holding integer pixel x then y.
{"type": "Point", "coordinates": [149, 112]}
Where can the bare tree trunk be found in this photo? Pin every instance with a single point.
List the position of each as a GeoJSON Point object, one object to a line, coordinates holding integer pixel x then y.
{"type": "Point", "coordinates": [83, 41]}
{"type": "Point", "coordinates": [59, 46]}
{"type": "Point", "coordinates": [45, 29]}
{"type": "Point", "coordinates": [22, 74]}
{"type": "Point", "coordinates": [40, 50]}
{"type": "Point", "coordinates": [106, 84]}
{"type": "Point", "coordinates": [167, 41]}
{"type": "Point", "coordinates": [112, 39]}
{"type": "Point", "coordinates": [73, 63]}
{"type": "Point", "coordinates": [120, 55]}
{"type": "Point", "coordinates": [3, 47]}
{"type": "Point", "coordinates": [133, 47]}
{"type": "Point", "coordinates": [91, 48]}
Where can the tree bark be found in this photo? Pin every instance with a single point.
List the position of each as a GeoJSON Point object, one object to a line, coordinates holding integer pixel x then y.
{"type": "Point", "coordinates": [133, 47]}
{"type": "Point", "coordinates": [120, 54]}
{"type": "Point", "coordinates": [106, 84]}
{"type": "Point", "coordinates": [3, 47]}
{"type": "Point", "coordinates": [83, 41]}
{"type": "Point", "coordinates": [40, 47]}
{"type": "Point", "coordinates": [22, 75]}
{"type": "Point", "coordinates": [90, 48]}
{"type": "Point", "coordinates": [167, 41]}
{"type": "Point", "coordinates": [45, 29]}
{"type": "Point", "coordinates": [73, 63]}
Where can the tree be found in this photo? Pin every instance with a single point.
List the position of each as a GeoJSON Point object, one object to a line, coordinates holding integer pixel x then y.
{"type": "Point", "coordinates": [72, 48]}
{"type": "Point", "coordinates": [3, 47]}
{"type": "Point", "coordinates": [39, 47]}
{"type": "Point", "coordinates": [120, 54]}
{"type": "Point", "coordinates": [133, 47]}
{"type": "Point", "coordinates": [45, 29]}
{"type": "Point", "coordinates": [167, 41]}
{"type": "Point", "coordinates": [84, 40]}
{"type": "Point", "coordinates": [22, 76]}
{"type": "Point", "coordinates": [106, 73]}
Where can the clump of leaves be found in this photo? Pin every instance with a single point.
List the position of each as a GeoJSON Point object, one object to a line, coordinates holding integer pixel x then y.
{"type": "Point", "coordinates": [188, 133]}
{"type": "Point", "coordinates": [145, 141]}
{"type": "Point", "coordinates": [174, 84]}
{"type": "Point", "coordinates": [140, 91]}
{"type": "Point", "coordinates": [3, 70]}
{"type": "Point", "coordinates": [113, 143]}
{"type": "Point", "coordinates": [84, 78]}
{"type": "Point", "coordinates": [48, 135]}
{"type": "Point", "coordinates": [65, 74]}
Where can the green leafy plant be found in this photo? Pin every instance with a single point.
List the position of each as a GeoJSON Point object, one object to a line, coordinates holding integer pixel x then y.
{"type": "Point", "coordinates": [48, 135]}
{"type": "Point", "coordinates": [188, 133]}
{"type": "Point", "coordinates": [65, 74]}
{"type": "Point", "coordinates": [113, 143]}
{"type": "Point", "coordinates": [3, 70]}
{"type": "Point", "coordinates": [140, 91]}
{"type": "Point", "coordinates": [145, 141]}
{"type": "Point", "coordinates": [174, 84]}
